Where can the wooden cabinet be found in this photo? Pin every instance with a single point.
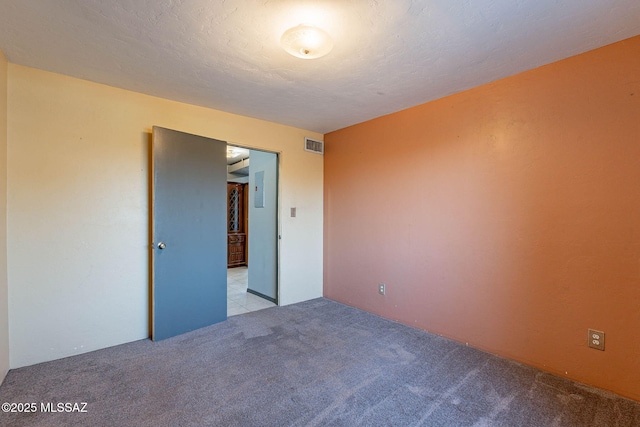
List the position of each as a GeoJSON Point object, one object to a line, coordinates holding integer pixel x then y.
{"type": "Point", "coordinates": [236, 225]}
{"type": "Point", "coordinates": [236, 250]}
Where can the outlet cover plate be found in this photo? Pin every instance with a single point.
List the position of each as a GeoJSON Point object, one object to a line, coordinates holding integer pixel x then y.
{"type": "Point", "coordinates": [382, 288]}
{"type": "Point", "coordinates": [596, 339]}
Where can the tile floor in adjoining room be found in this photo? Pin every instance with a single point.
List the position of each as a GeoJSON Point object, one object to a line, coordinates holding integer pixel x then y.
{"type": "Point", "coordinates": [239, 301]}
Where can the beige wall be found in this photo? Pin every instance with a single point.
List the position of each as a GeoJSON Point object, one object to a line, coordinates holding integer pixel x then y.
{"type": "Point", "coordinates": [506, 217]}
{"type": "Point", "coordinates": [78, 209]}
{"type": "Point", "coordinates": [4, 307]}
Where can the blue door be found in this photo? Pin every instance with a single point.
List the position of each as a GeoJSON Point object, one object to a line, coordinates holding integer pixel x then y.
{"type": "Point", "coordinates": [189, 247]}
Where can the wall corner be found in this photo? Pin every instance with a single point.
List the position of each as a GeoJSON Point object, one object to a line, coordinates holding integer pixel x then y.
{"type": "Point", "coordinates": [4, 288]}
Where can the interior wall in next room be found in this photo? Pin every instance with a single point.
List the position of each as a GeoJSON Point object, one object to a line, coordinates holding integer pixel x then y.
{"type": "Point", "coordinates": [506, 216]}
{"type": "Point", "coordinates": [263, 224]}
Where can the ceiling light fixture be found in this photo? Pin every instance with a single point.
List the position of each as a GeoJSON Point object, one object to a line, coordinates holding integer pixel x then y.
{"type": "Point", "coordinates": [234, 152]}
{"type": "Point", "coordinates": [306, 42]}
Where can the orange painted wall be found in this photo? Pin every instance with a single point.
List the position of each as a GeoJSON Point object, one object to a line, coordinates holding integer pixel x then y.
{"type": "Point", "coordinates": [506, 216]}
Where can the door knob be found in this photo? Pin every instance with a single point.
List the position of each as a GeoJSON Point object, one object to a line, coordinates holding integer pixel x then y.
{"type": "Point", "coordinates": [161, 245]}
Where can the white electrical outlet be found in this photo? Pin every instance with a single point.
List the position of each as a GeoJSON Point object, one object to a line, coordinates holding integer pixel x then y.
{"type": "Point", "coordinates": [382, 288]}
{"type": "Point", "coordinates": [596, 339]}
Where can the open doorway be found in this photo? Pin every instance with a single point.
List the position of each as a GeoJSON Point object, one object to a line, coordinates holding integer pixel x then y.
{"type": "Point", "coordinates": [252, 181]}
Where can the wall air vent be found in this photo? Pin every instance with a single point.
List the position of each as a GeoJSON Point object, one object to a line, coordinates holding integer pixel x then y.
{"type": "Point", "coordinates": [313, 146]}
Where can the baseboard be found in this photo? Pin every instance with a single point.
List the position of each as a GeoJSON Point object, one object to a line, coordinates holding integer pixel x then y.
{"type": "Point", "coordinates": [273, 300]}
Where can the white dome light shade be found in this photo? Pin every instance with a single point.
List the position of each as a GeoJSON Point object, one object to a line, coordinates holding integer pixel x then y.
{"type": "Point", "coordinates": [306, 42]}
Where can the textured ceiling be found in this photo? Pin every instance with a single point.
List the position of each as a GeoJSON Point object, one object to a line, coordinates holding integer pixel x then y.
{"type": "Point", "coordinates": [388, 54]}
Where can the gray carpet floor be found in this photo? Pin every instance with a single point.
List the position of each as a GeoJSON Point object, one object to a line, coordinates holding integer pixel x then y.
{"type": "Point", "coordinates": [317, 363]}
